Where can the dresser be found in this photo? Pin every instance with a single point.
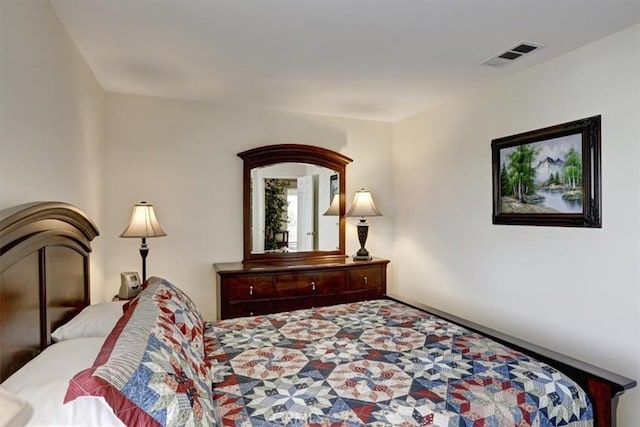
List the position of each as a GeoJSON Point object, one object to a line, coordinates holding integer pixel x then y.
{"type": "Point", "coordinates": [251, 289]}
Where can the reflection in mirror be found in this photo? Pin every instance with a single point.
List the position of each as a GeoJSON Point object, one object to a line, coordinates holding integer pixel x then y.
{"type": "Point", "coordinates": [288, 203]}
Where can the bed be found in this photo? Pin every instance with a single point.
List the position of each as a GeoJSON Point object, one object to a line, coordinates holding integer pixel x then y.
{"type": "Point", "coordinates": [155, 361]}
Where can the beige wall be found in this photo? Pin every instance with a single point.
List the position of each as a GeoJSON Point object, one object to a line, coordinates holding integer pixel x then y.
{"type": "Point", "coordinates": [181, 156]}
{"type": "Point", "coordinates": [51, 110]}
{"type": "Point", "coordinates": [573, 290]}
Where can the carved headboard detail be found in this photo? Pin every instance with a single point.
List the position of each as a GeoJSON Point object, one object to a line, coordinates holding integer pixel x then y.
{"type": "Point", "coordinates": [44, 276]}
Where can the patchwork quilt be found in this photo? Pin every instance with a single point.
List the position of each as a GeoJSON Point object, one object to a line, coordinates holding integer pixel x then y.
{"type": "Point", "coordinates": [151, 368]}
{"type": "Point", "coordinates": [380, 363]}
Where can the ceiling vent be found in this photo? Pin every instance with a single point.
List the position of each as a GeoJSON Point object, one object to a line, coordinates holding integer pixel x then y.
{"type": "Point", "coordinates": [519, 50]}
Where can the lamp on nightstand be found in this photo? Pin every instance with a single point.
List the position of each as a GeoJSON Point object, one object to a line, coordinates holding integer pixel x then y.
{"type": "Point", "coordinates": [143, 224]}
{"type": "Point", "coordinates": [363, 207]}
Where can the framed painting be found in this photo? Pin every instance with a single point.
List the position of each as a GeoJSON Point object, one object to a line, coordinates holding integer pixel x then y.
{"type": "Point", "coordinates": [549, 177]}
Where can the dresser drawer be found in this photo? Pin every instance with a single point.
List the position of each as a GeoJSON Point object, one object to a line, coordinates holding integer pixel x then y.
{"type": "Point", "coordinates": [291, 304]}
{"type": "Point", "coordinates": [325, 300]}
{"type": "Point", "coordinates": [320, 283]}
{"type": "Point", "coordinates": [249, 287]}
{"type": "Point", "coordinates": [365, 278]}
{"type": "Point", "coordinates": [330, 282]}
{"type": "Point", "coordinates": [244, 309]}
{"type": "Point", "coordinates": [293, 285]}
{"type": "Point", "coordinates": [364, 295]}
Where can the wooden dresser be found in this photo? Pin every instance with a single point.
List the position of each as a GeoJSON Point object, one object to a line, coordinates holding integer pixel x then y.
{"type": "Point", "coordinates": [248, 289]}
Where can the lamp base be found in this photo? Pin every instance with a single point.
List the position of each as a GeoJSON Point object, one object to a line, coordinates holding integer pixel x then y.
{"type": "Point", "coordinates": [363, 231]}
{"type": "Point", "coordinates": [144, 250]}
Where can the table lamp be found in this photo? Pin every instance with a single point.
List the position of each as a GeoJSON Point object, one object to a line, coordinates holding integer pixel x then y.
{"type": "Point", "coordinates": [143, 224]}
{"type": "Point", "coordinates": [363, 207]}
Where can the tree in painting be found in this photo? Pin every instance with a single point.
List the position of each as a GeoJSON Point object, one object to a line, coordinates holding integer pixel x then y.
{"type": "Point", "coordinates": [573, 169]}
{"type": "Point", "coordinates": [505, 183]}
{"type": "Point", "coordinates": [521, 173]}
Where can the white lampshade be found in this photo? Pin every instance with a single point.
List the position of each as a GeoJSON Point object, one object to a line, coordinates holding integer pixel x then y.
{"type": "Point", "coordinates": [334, 207]}
{"type": "Point", "coordinates": [143, 222]}
{"type": "Point", "coordinates": [363, 205]}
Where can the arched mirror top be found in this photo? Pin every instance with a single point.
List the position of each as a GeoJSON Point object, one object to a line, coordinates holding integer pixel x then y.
{"type": "Point", "coordinates": [294, 203]}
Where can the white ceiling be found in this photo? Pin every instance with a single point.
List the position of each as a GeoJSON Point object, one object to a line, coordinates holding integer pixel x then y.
{"type": "Point", "coordinates": [374, 59]}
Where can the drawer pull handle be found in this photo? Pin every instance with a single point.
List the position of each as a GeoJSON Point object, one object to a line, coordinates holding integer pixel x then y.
{"type": "Point", "coordinates": [313, 286]}
{"type": "Point", "coordinates": [251, 291]}
{"type": "Point", "coordinates": [366, 279]}
{"type": "Point", "coordinates": [251, 313]}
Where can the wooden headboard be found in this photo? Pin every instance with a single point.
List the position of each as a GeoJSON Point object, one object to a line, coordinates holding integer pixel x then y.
{"type": "Point", "coordinates": [44, 276]}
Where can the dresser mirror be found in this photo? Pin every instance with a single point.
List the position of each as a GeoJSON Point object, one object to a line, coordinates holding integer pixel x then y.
{"type": "Point", "coordinates": [288, 190]}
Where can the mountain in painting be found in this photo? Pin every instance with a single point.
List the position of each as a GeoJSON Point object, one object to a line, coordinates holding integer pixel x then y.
{"type": "Point", "coordinates": [546, 167]}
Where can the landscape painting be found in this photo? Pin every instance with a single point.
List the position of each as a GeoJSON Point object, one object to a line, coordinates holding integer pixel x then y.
{"type": "Point", "coordinates": [542, 177]}
{"type": "Point", "coordinates": [549, 177]}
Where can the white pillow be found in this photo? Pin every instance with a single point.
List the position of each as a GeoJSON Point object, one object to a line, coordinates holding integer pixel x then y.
{"type": "Point", "coordinates": [96, 320]}
{"type": "Point", "coordinates": [15, 411]}
{"type": "Point", "coordinates": [43, 384]}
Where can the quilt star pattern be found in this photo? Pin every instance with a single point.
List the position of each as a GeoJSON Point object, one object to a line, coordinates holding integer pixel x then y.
{"type": "Point", "coordinates": [380, 363]}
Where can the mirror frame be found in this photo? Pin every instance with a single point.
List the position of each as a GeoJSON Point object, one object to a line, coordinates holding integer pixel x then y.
{"type": "Point", "coordinates": [292, 153]}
